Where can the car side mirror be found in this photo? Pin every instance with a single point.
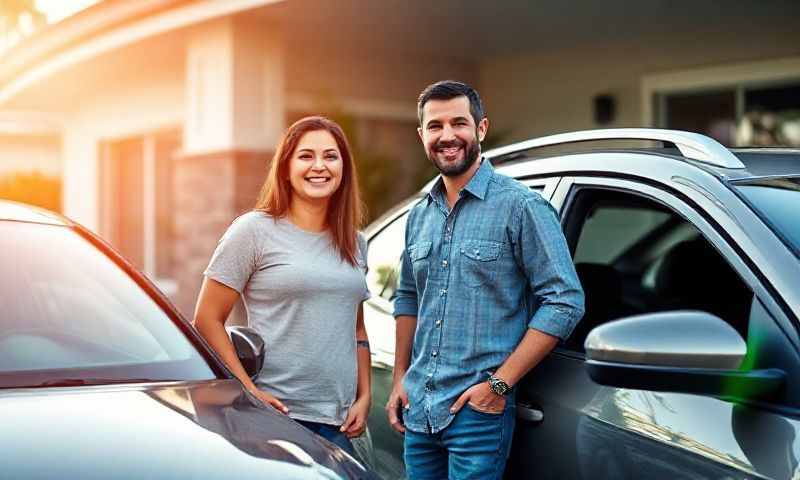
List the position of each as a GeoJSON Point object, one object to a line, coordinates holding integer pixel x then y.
{"type": "Point", "coordinates": [249, 348]}
{"type": "Point", "coordinates": [677, 351]}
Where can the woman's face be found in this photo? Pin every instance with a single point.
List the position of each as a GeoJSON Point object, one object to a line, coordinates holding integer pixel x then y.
{"type": "Point", "coordinates": [316, 166]}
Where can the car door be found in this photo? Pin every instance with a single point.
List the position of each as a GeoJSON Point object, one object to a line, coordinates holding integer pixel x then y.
{"type": "Point", "coordinates": [386, 243]}
{"type": "Point", "coordinates": [632, 243]}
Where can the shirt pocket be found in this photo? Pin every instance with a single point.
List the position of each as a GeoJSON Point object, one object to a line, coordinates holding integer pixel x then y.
{"type": "Point", "coordinates": [478, 262]}
{"type": "Point", "coordinates": [419, 254]}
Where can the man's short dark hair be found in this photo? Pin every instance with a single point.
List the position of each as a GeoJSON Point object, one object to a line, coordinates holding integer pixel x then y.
{"type": "Point", "coordinates": [447, 89]}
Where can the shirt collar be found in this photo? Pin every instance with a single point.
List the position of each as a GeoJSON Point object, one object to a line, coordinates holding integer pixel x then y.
{"type": "Point", "coordinates": [478, 185]}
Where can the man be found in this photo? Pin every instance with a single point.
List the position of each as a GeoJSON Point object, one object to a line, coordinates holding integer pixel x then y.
{"type": "Point", "coordinates": [487, 288]}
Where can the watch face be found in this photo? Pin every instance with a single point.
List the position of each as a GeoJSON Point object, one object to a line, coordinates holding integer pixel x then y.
{"type": "Point", "coordinates": [498, 386]}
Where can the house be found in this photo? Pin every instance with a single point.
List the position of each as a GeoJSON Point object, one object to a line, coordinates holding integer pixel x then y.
{"type": "Point", "coordinates": [163, 114]}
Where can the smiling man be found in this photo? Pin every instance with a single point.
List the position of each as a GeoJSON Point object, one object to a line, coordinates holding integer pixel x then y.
{"type": "Point", "coordinates": [487, 289]}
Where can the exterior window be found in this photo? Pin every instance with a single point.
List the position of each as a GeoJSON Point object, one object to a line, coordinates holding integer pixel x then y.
{"type": "Point", "coordinates": [137, 208]}
{"type": "Point", "coordinates": [740, 115]}
{"type": "Point", "coordinates": [710, 113]}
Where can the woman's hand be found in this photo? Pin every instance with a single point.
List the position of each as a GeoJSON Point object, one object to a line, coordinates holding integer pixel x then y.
{"type": "Point", "coordinates": [356, 421]}
{"type": "Point", "coordinates": [268, 399]}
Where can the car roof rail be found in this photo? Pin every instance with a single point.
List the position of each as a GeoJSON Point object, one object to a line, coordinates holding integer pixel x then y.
{"type": "Point", "coordinates": [693, 146]}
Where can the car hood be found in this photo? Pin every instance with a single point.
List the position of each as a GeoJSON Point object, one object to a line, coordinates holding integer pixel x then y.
{"type": "Point", "coordinates": [209, 430]}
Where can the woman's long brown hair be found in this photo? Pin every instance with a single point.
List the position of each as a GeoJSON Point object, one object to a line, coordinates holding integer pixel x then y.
{"type": "Point", "coordinates": [345, 211]}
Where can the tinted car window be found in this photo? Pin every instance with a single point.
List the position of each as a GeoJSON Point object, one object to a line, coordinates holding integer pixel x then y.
{"type": "Point", "coordinates": [776, 200]}
{"type": "Point", "coordinates": [634, 255]}
{"type": "Point", "coordinates": [615, 229]}
{"type": "Point", "coordinates": [72, 312]}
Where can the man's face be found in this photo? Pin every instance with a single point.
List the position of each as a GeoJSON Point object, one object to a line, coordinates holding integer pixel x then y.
{"type": "Point", "coordinates": [450, 136]}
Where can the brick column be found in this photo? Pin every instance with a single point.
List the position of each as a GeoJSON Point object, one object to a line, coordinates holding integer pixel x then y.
{"type": "Point", "coordinates": [234, 116]}
{"type": "Point", "coordinates": [210, 191]}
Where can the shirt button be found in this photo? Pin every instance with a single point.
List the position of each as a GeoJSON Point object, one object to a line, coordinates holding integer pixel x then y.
{"type": "Point", "coordinates": [438, 323]}
{"type": "Point", "coordinates": [430, 375]}
{"type": "Point", "coordinates": [443, 292]}
{"type": "Point", "coordinates": [435, 353]}
{"type": "Point", "coordinates": [444, 263]}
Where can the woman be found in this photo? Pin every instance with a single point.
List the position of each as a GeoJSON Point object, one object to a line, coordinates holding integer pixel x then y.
{"type": "Point", "coordinates": [298, 262]}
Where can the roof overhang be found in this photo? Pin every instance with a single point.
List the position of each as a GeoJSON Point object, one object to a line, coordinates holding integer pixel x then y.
{"type": "Point", "coordinates": [104, 27]}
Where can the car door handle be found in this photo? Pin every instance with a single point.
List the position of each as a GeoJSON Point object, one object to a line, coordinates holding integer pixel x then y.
{"type": "Point", "coordinates": [529, 414]}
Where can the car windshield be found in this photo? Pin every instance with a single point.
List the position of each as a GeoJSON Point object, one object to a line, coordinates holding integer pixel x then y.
{"type": "Point", "coordinates": [776, 200]}
{"type": "Point", "coordinates": [71, 316]}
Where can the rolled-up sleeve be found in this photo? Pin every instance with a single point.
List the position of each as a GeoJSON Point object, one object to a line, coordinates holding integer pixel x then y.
{"type": "Point", "coordinates": [405, 301]}
{"type": "Point", "coordinates": [541, 250]}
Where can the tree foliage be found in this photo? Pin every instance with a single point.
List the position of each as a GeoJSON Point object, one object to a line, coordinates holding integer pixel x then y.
{"type": "Point", "coordinates": [18, 18]}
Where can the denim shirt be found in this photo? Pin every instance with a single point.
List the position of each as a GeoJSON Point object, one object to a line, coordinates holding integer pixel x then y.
{"type": "Point", "coordinates": [477, 278]}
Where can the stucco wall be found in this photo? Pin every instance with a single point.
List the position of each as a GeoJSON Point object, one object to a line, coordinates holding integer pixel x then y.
{"type": "Point", "coordinates": [349, 74]}
{"type": "Point", "coordinates": [30, 153]}
{"type": "Point", "coordinates": [143, 102]}
{"type": "Point", "coordinates": [535, 95]}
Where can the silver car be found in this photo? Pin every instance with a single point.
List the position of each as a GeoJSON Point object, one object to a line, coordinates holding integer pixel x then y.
{"type": "Point", "coordinates": [687, 362]}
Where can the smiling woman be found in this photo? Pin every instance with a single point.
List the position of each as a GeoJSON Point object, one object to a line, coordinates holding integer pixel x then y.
{"type": "Point", "coordinates": [338, 209]}
{"type": "Point", "coordinates": [299, 264]}
{"type": "Point", "coordinates": [315, 173]}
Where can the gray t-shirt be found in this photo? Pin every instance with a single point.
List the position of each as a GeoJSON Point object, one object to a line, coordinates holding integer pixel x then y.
{"type": "Point", "coordinates": [303, 299]}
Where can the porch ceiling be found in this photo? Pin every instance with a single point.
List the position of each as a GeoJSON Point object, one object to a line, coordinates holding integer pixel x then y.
{"type": "Point", "coordinates": [467, 31]}
{"type": "Point", "coordinates": [478, 29]}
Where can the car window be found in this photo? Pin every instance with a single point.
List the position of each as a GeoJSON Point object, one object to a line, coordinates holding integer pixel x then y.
{"type": "Point", "coordinates": [776, 200]}
{"type": "Point", "coordinates": [383, 258]}
{"type": "Point", "coordinates": [634, 255]}
{"type": "Point", "coordinates": [70, 310]}
{"type": "Point", "coordinates": [614, 229]}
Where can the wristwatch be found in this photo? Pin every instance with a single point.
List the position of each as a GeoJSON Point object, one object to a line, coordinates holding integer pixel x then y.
{"type": "Point", "coordinates": [498, 386]}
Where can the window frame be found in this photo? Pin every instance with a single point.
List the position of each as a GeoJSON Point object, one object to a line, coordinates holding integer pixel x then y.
{"type": "Point", "coordinates": [569, 187]}
{"type": "Point", "coordinates": [110, 222]}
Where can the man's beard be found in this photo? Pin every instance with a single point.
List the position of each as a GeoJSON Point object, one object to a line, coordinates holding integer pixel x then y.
{"type": "Point", "coordinates": [472, 151]}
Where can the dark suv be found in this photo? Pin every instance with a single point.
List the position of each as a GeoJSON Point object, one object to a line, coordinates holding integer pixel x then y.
{"type": "Point", "coordinates": [687, 362]}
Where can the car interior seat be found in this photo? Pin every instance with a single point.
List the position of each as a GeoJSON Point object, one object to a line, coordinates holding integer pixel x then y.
{"type": "Point", "coordinates": [694, 275]}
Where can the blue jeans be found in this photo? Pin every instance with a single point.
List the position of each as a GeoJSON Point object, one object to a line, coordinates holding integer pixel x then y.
{"type": "Point", "coordinates": [475, 445]}
{"type": "Point", "coordinates": [330, 433]}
